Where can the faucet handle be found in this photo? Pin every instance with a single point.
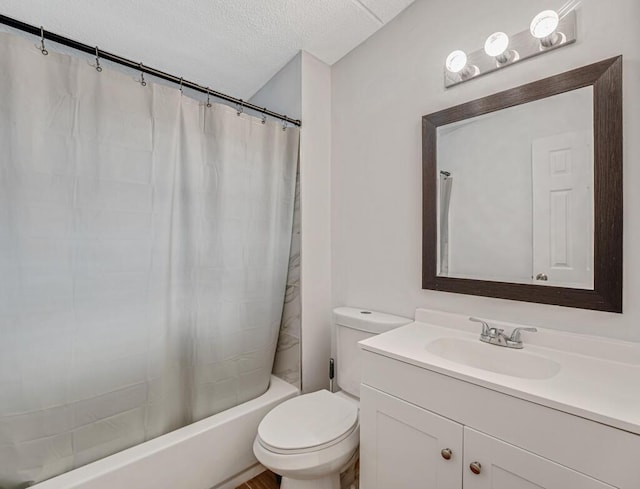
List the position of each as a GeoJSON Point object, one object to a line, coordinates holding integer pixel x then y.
{"type": "Point", "coordinates": [485, 325]}
{"type": "Point", "coordinates": [515, 334]}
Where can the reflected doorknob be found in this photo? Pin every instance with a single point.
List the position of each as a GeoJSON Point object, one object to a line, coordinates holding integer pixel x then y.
{"type": "Point", "coordinates": [542, 276]}
{"type": "Point", "coordinates": [475, 467]}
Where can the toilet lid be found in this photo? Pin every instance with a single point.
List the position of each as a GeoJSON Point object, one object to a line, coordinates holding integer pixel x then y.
{"type": "Point", "coordinates": [308, 421]}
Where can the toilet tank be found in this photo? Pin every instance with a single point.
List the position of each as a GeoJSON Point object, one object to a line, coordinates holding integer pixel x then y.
{"type": "Point", "coordinates": [354, 325]}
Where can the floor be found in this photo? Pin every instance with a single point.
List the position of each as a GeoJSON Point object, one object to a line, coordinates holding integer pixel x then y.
{"type": "Point", "coordinates": [266, 480]}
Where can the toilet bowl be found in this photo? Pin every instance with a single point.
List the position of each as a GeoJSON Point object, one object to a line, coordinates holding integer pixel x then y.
{"type": "Point", "coordinates": [310, 439]}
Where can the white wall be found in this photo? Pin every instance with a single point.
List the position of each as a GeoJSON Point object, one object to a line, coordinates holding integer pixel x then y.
{"type": "Point", "coordinates": [303, 89]}
{"type": "Point", "coordinates": [380, 92]}
{"type": "Point", "coordinates": [283, 93]}
{"type": "Point", "coordinates": [315, 194]}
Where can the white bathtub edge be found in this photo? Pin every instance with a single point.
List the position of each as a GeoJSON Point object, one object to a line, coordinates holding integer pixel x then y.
{"type": "Point", "coordinates": [241, 478]}
{"type": "Point", "coordinates": [202, 455]}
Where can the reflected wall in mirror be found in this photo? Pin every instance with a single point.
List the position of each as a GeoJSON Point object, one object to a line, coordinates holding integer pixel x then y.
{"type": "Point", "coordinates": [522, 192]}
{"type": "Point", "coordinates": [516, 193]}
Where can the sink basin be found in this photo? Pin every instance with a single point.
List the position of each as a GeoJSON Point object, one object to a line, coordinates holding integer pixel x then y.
{"type": "Point", "coordinates": [501, 360]}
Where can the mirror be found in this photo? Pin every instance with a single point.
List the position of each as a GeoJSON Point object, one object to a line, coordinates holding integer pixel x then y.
{"type": "Point", "coordinates": [522, 192]}
{"type": "Point", "coordinates": [509, 178]}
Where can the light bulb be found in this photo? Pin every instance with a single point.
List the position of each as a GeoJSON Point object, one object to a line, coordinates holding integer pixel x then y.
{"type": "Point", "coordinates": [456, 61]}
{"type": "Point", "coordinates": [543, 27]}
{"type": "Point", "coordinates": [496, 44]}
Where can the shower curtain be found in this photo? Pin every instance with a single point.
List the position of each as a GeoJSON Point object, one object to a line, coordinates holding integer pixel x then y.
{"type": "Point", "coordinates": [144, 242]}
{"type": "Point", "coordinates": [446, 181]}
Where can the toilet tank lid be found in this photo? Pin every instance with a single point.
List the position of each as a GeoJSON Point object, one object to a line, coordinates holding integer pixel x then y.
{"type": "Point", "coordinates": [367, 320]}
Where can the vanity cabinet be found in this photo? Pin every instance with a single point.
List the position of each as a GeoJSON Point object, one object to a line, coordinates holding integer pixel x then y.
{"type": "Point", "coordinates": [420, 429]}
{"type": "Point", "coordinates": [405, 446]}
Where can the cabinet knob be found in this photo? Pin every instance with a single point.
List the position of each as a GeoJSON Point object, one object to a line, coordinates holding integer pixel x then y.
{"type": "Point", "coordinates": [475, 467]}
{"type": "Point", "coordinates": [446, 453]}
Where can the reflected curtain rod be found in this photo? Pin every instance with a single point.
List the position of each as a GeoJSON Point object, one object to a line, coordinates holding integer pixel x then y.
{"type": "Point", "coordinates": [85, 48]}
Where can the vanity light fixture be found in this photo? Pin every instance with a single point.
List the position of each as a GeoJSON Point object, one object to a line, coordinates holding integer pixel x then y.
{"type": "Point", "coordinates": [547, 32]}
{"type": "Point", "coordinates": [544, 27]}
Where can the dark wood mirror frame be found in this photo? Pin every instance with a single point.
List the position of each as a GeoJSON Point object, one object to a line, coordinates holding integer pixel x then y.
{"type": "Point", "coordinates": [606, 79]}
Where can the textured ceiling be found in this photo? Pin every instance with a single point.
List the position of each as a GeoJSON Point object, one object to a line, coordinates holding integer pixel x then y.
{"type": "Point", "coordinates": [234, 46]}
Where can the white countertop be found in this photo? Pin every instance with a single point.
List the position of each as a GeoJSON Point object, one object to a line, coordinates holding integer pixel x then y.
{"type": "Point", "coordinates": [599, 379]}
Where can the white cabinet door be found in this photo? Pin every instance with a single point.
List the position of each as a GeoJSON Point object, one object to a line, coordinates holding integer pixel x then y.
{"type": "Point", "coordinates": [504, 466]}
{"type": "Point", "coordinates": [401, 445]}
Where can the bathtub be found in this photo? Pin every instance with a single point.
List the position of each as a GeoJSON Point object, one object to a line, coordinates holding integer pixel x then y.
{"type": "Point", "coordinates": [215, 452]}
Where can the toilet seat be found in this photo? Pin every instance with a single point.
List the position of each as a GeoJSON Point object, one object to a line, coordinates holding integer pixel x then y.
{"type": "Point", "coordinates": [308, 423]}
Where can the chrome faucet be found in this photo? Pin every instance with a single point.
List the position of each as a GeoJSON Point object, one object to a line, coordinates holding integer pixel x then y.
{"type": "Point", "coordinates": [496, 336]}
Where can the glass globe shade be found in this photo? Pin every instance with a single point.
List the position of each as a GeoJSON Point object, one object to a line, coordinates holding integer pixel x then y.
{"type": "Point", "coordinates": [544, 24]}
{"type": "Point", "coordinates": [496, 44]}
{"type": "Point", "coordinates": [456, 61]}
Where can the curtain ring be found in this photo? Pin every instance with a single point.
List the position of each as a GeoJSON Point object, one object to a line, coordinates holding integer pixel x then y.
{"type": "Point", "coordinates": [98, 67]}
{"type": "Point", "coordinates": [208, 98]}
{"type": "Point", "coordinates": [284, 124]}
{"type": "Point", "coordinates": [142, 80]}
{"type": "Point", "coordinates": [240, 108]}
{"type": "Point", "coordinates": [43, 49]}
{"type": "Point", "coordinates": [180, 85]}
{"type": "Point", "coordinates": [264, 116]}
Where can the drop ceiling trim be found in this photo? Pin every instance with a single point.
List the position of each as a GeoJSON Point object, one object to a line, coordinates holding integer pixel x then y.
{"type": "Point", "coordinates": [368, 11]}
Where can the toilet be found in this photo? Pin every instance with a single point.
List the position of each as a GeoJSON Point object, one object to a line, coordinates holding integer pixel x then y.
{"type": "Point", "coordinates": [310, 439]}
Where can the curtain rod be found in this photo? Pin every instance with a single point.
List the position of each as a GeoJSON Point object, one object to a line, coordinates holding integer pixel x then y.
{"type": "Point", "coordinates": [93, 50]}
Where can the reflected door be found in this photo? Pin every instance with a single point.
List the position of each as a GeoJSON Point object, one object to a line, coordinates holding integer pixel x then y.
{"type": "Point", "coordinates": [563, 210]}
